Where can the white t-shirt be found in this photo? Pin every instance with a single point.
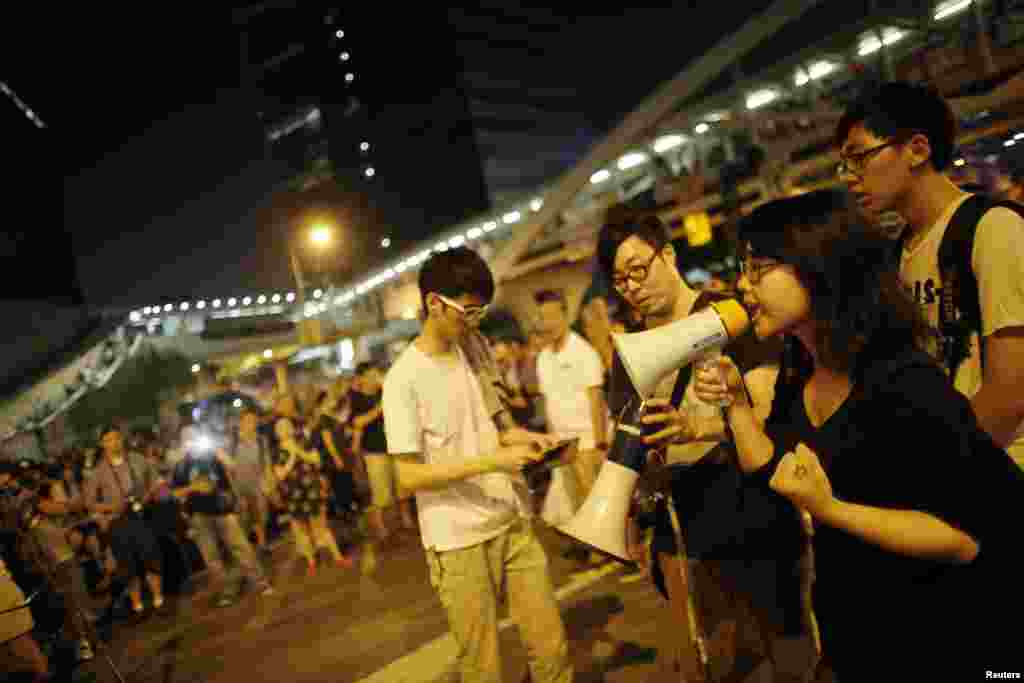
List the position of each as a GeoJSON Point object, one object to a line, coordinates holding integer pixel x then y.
{"type": "Point", "coordinates": [564, 377]}
{"type": "Point", "coordinates": [435, 407]}
{"type": "Point", "coordinates": [998, 264]}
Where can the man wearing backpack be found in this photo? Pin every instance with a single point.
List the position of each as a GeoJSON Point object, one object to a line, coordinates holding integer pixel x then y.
{"type": "Point", "coordinates": [961, 255]}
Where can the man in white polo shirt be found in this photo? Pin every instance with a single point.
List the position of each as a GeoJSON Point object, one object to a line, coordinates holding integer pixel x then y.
{"type": "Point", "coordinates": [440, 411]}
{"type": "Point", "coordinates": [571, 377]}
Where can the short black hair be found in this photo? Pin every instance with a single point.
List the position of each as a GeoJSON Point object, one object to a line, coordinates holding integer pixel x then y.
{"type": "Point", "coordinates": [454, 273]}
{"type": "Point", "coordinates": [546, 296]}
{"type": "Point", "coordinates": [620, 226]}
{"type": "Point", "coordinates": [900, 109]}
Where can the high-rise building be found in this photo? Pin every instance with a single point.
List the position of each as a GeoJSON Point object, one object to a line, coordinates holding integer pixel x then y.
{"type": "Point", "coordinates": [373, 126]}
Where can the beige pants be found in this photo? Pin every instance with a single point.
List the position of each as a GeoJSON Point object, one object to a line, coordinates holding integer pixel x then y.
{"type": "Point", "coordinates": [471, 582]}
{"type": "Point", "coordinates": [379, 472]}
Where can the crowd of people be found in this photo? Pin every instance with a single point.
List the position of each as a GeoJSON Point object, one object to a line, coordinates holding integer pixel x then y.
{"type": "Point", "coordinates": [859, 490]}
{"type": "Point", "coordinates": [103, 532]}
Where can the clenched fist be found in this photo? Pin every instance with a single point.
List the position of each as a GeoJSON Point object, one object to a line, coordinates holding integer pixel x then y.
{"type": "Point", "coordinates": [802, 480]}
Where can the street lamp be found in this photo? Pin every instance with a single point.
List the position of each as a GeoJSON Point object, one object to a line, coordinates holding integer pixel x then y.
{"type": "Point", "coordinates": [319, 235]}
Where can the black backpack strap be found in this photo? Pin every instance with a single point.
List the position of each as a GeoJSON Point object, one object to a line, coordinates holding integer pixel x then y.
{"type": "Point", "coordinates": [960, 313]}
{"type": "Point", "coordinates": [682, 380]}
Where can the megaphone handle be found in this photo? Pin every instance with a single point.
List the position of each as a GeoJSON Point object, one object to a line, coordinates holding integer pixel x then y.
{"type": "Point", "coordinates": [696, 628]}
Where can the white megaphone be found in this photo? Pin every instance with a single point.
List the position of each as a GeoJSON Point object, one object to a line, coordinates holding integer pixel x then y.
{"type": "Point", "coordinates": [647, 357]}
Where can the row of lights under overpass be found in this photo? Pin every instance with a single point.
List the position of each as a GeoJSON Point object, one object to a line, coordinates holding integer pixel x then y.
{"type": "Point", "coordinates": [869, 43]}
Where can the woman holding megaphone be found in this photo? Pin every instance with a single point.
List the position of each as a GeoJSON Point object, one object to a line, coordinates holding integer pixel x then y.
{"type": "Point", "coordinates": [910, 501]}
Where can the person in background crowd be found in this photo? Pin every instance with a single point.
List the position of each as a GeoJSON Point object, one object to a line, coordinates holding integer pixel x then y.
{"type": "Point", "coordinates": [571, 378]}
{"type": "Point", "coordinates": [739, 576]}
{"type": "Point", "coordinates": [121, 485]}
{"type": "Point", "coordinates": [50, 529]}
{"type": "Point", "coordinates": [297, 468]}
{"type": "Point", "coordinates": [472, 498]}
{"type": "Point", "coordinates": [202, 482]}
{"type": "Point", "coordinates": [248, 469]}
{"type": "Point", "coordinates": [508, 352]}
{"type": "Point", "coordinates": [369, 442]}
{"type": "Point", "coordinates": [21, 652]}
{"type": "Point", "coordinates": [333, 443]}
{"type": "Point", "coordinates": [83, 534]}
{"type": "Point", "coordinates": [930, 527]}
{"type": "Point", "coordinates": [896, 142]}
{"type": "Point", "coordinates": [535, 343]}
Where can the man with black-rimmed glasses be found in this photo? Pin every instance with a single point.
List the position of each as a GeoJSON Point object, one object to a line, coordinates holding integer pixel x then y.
{"type": "Point", "coordinates": [896, 141]}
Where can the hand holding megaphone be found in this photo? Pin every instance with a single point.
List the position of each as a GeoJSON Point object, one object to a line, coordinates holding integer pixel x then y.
{"type": "Point", "coordinates": [721, 385]}
{"type": "Point", "coordinates": [663, 424]}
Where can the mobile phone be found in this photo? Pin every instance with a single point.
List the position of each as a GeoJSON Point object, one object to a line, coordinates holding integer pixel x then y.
{"type": "Point", "coordinates": [563, 453]}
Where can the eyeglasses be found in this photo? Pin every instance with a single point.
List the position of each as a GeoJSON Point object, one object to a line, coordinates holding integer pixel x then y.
{"type": "Point", "coordinates": [471, 314]}
{"type": "Point", "coordinates": [755, 271]}
{"type": "Point", "coordinates": [636, 274]}
{"type": "Point", "coordinates": [857, 162]}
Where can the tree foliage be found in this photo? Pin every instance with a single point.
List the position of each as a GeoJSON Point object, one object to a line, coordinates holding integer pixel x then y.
{"type": "Point", "coordinates": [134, 392]}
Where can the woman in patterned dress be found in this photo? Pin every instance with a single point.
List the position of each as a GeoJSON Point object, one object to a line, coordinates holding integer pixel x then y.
{"type": "Point", "coordinates": [298, 472]}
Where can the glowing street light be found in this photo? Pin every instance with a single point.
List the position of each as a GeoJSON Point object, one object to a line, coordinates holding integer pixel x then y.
{"type": "Point", "coordinates": [320, 235]}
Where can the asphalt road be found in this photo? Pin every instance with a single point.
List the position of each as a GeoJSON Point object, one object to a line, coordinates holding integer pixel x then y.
{"type": "Point", "coordinates": [382, 623]}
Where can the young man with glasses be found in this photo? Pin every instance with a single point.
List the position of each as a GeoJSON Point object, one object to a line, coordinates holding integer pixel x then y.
{"type": "Point", "coordinates": [730, 564]}
{"type": "Point", "coordinates": [895, 143]}
{"type": "Point", "coordinates": [444, 417]}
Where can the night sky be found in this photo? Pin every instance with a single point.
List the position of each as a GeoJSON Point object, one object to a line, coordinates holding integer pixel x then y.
{"type": "Point", "coordinates": [168, 183]}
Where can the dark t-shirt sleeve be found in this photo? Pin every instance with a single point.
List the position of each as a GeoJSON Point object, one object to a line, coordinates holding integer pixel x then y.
{"type": "Point", "coordinates": [950, 467]}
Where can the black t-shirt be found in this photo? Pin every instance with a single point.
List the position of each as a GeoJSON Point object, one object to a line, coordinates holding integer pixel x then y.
{"type": "Point", "coordinates": [327, 423]}
{"type": "Point", "coordinates": [374, 440]}
{"type": "Point", "coordinates": [192, 469]}
{"type": "Point", "coordinates": [906, 445]}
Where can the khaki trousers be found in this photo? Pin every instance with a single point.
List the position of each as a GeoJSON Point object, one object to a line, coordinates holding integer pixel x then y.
{"type": "Point", "coordinates": [471, 582]}
{"type": "Point", "coordinates": [217, 533]}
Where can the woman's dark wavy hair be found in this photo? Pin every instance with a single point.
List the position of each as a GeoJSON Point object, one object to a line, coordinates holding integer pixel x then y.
{"type": "Point", "coordinates": [849, 270]}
